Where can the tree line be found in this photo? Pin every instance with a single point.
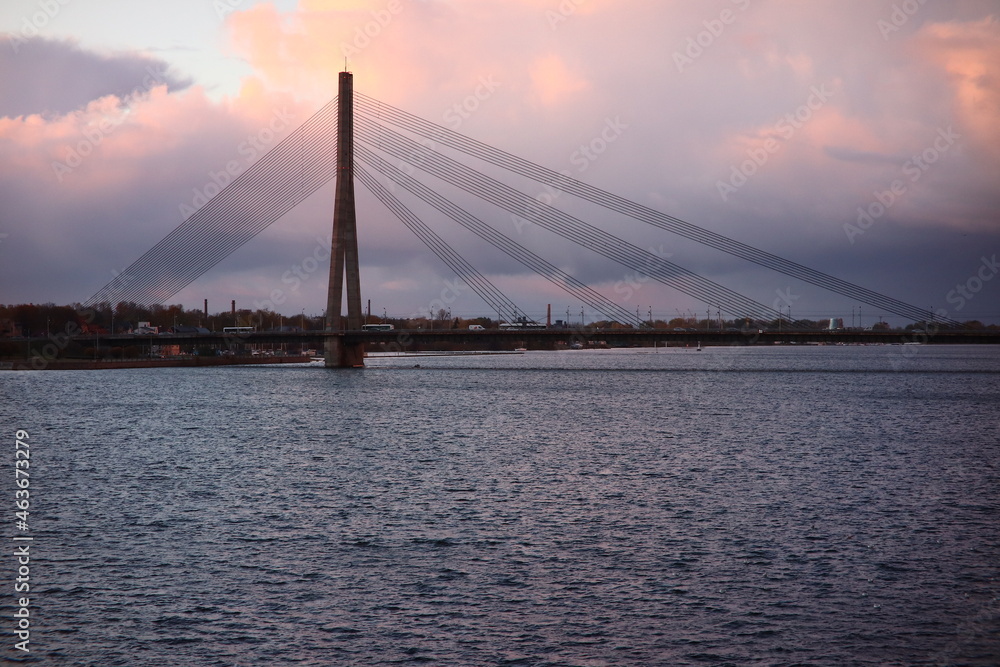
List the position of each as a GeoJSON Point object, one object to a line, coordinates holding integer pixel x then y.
{"type": "Point", "coordinates": [42, 320]}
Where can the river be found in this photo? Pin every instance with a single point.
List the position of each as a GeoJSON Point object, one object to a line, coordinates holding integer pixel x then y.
{"type": "Point", "coordinates": [733, 506]}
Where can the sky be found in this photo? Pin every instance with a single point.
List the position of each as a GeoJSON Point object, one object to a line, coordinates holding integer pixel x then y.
{"type": "Point", "coordinates": [857, 137]}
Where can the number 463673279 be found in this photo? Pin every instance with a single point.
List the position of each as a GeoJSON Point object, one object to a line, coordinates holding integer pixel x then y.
{"type": "Point", "coordinates": [22, 454]}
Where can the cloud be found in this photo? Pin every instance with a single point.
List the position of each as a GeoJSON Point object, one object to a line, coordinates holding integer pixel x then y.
{"type": "Point", "coordinates": [553, 81]}
{"type": "Point", "coordinates": [968, 53]}
{"type": "Point", "coordinates": [554, 87]}
{"type": "Point", "coordinates": [863, 157]}
{"type": "Point", "coordinates": [53, 77]}
{"type": "Point", "coordinates": [88, 190]}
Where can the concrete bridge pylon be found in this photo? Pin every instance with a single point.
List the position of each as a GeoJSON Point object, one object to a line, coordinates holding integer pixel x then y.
{"type": "Point", "coordinates": [344, 266]}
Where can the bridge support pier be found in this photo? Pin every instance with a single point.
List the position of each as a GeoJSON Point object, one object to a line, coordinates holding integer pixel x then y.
{"type": "Point", "coordinates": [344, 355]}
{"type": "Point", "coordinates": [344, 250]}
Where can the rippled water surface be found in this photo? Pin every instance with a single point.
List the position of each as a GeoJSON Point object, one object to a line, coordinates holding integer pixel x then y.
{"type": "Point", "coordinates": [778, 506]}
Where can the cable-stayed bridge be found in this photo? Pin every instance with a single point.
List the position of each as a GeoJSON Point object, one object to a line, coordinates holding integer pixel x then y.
{"type": "Point", "coordinates": [376, 143]}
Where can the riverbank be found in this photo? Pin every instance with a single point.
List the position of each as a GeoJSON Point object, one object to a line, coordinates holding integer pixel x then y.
{"type": "Point", "coordinates": [172, 362]}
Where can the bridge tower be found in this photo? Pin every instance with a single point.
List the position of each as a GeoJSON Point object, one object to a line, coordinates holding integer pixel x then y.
{"type": "Point", "coordinates": [344, 248]}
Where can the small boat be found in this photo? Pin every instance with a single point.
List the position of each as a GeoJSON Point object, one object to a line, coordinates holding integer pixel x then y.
{"type": "Point", "coordinates": [520, 349]}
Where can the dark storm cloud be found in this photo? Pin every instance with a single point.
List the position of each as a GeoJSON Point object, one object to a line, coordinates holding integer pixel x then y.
{"type": "Point", "coordinates": [53, 77]}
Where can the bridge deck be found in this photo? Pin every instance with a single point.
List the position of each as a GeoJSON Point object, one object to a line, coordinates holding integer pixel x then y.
{"type": "Point", "coordinates": [548, 338]}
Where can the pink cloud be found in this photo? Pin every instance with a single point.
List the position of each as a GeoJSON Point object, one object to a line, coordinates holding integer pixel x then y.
{"type": "Point", "coordinates": [969, 53]}
{"type": "Point", "coordinates": [557, 81]}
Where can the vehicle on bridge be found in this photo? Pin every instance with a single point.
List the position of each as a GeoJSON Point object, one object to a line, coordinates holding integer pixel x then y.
{"type": "Point", "coordinates": [377, 327]}
{"type": "Point", "coordinates": [521, 325]}
{"type": "Point", "coordinates": [238, 330]}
